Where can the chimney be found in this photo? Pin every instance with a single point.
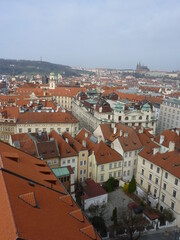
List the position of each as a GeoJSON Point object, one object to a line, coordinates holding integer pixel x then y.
{"type": "Point", "coordinates": [67, 140]}
{"type": "Point", "coordinates": [99, 139]}
{"type": "Point", "coordinates": [115, 130]}
{"type": "Point", "coordinates": [125, 134]}
{"type": "Point", "coordinates": [155, 150]}
{"type": "Point", "coordinates": [84, 143]}
{"type": "Point", "coordinates": [177, 131]}
{"type": "Point", "coordinates": [112, 125]}
{"type": "Point", "coordinates": [171, 146]}
{"type": "Point", "coordinates": [140, 130]}
{"type": "Point", "coordinates": [161, 139]}
{"type": "Point", "coordinates": [120, 133]}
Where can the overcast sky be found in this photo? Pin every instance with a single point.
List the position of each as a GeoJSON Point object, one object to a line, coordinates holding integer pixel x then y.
{"type": "Point", "coordinates": [92, 33]}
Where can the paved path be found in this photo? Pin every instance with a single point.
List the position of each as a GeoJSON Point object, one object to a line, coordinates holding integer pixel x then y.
{"type": "Point", "coordinates": [115, 199]}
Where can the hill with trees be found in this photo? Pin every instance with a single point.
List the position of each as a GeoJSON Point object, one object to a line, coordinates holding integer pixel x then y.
{"type": "Point", "coordinates": [27, 67]}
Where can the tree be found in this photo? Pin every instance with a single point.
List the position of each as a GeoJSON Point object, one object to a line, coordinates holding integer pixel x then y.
{"type": "Point", "coordinates": [132, 185]}
{"type": "Point", "coordinates": [99, 224]}
{"type": "Point", "coordinates": [114, 216]}
{"type": "Point", "coordinates": [168, 215]}
{"type": "Point", "coordinates": [131, 223]}
{"type": "Point", "coordinates": [110, 184]}
{"type": "Point", "coordinates": [126, 186]}
{"type": "Point", "coordinates": [96, 209]}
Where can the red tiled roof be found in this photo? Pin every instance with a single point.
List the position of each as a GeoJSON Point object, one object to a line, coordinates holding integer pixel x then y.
{"type": "Point", "coordinates": [46, 117]}
{"type": "Point", "coordinates": [64, 148]}
{"type": "Point", "coordinates": [129, 139]}
{"type": "Point", "coordinates": [30, 208]}
{"type": "Point", "coordinates": [169, 161]}
{"type": "Point", "coordinates": [92, 189]}
{"type": "Point", "coordinates": [106, 131]}
{"type": "Point", "coordinates": [170, 135]}
{"type": "Point", "coordinates": [74, 144]}
{"type": "Point", "coordinates": [105, 154]}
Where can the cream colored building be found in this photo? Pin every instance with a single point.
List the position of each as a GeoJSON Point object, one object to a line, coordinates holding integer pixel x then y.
{"type": "Point", "coordinates": [82, 156]}
{"type": "Point", "coordinates": [46, 121]}
{"type": "Point", "coordinates": [104, 163]}
{"type": "Point", "coordinates": [158, 179]}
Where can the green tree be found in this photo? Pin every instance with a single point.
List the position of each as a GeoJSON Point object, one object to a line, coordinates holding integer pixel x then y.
{"type": "Point", "coordinates": [110, 184]}
{"type": "Point", "coordinates": [114, 216]}
{"type": "Point", "coordinates": [132, 185]}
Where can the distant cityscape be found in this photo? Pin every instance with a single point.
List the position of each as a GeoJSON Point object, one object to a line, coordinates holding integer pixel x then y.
{"type": "Point", "coordinates": [88, 153]}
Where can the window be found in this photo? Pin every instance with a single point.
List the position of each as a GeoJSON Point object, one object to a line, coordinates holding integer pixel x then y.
{"type": "Point", "coordinates": [102, 178]}
{"type": "Point", "coordinates": [156, 181]}
{"type": "Point", "coordinates": [67, 129]}
{"type": "Point", "coordinates": [59, 130]}
{"type": "Point", "coordinates": [12, 129]}
{"type": "Point", "coordinates": [176, 181]}
{"type": "Point", "coordinates": [151, 166]}
{"type": "Point", "coordinates": [163, 198]}
{"type": "Point", "coordinates": [129, 163]}
{"type": "Point", "coordinates": [172, 205]}
{"type": "Point", "coordinates": [174, 193]}
{"type": "Point", "coordinates": [110, 165]}
{"type": "Point", "coordinates": [166, 175]}
{"type": "Point", "coordinates": [158, 169]}
{"type": "Point", "coordinates": [64, 162]}
{"type": "Point", "coordinates": [119, 174]}
{"type": "Point", "coordinates": [36, 129]}
{"type": "Point", "coordinates": [164, 186]}
{"type": "Point", "coordinates": [81, 163]}
{"type": "Point", "coordinates": [90, 164]}
{"type": "Point", "coordinates": [130, 154]}
{"type": "Point", "coordinates": [155, 192]}
{"type": "Point", "coordinates": [114, 174]}
{"type": "Point", "coordinates": [102, 168]}
{"type": "Point", "coordinates": [135, 153]}
{"type": "Point", "coordinates": [125, 164]}
{"type": "Point", "coordinates": [124, 173]}
{"type": "Point", "coordinates": [119, 164]}
{"type": "Point", "coordinates": [84, 171]}
{"type": "Point", "coordinates": [90, 174]}
{"type": "Point", "coordinates": [73, 160]}
{"type": "Point", "coordinates": [134, 161]}
{"type": "Point", "coordinates": [6, 137]}
{"type": "Point", "coordinates": [83, 155]}
{"type": "Point", "coordinates": [115, 165]}
{"type": "Point", "coordinates": [141, 182]}
{"type": "Point", "coordinates": [81, 172]}
{"type": "Point", "coordinates": [143, 161]}
{"type": "Point", "coordinates": [150, 176]}
{"type": "Point", "coordinates": [128, 172]}
{"type": "Point", "coordinates": [125, 155]}
{"type": "Point", "coordinates": [49, 162]}
{"type": "Point", "coordinates": [84, 162]}
{"type": "Point", "coordinates": [29, 129]}
{"type": "Point", "coordinates": [68, 161]}
{"type": "Point", "coordinates": [142, 172]}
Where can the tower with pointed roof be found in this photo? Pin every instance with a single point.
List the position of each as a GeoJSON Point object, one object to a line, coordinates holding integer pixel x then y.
{"type": "Point", "coordinates": [52, 83]}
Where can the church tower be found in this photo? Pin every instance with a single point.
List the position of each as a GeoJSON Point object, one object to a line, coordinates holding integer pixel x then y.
{"type": "Point", "coordinates": [52, 83]}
